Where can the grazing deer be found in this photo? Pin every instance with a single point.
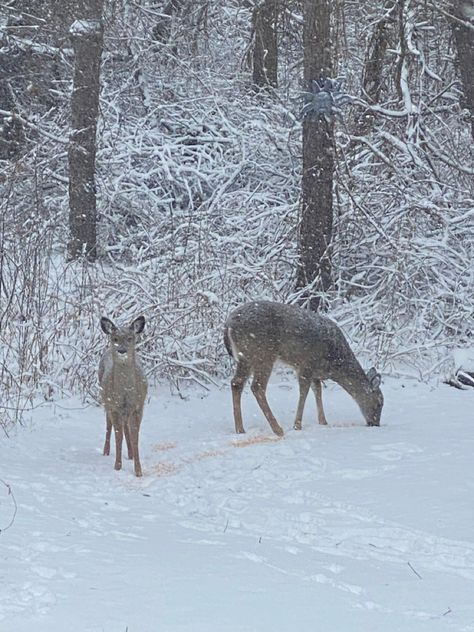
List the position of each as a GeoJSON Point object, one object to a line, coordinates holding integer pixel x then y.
{"type": "Point", "coordinates": [259, 333]}
{"type": "Point", "coordinates": [123, 387]}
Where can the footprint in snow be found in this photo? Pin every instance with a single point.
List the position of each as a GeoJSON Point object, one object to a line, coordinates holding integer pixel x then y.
{"type": "Point", "coordinates": [395, 451]}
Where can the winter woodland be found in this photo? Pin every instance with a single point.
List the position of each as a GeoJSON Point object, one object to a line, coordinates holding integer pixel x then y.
{"type": "Point", "coordinates": [172, 159]}
{"type": "Point", "coordinates": [198, 172]}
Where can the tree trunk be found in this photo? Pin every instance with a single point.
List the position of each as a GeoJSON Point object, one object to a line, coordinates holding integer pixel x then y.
{"type": "Point", "coordinates": [373, 73]}
{"type": "Point", "coordinates": [87, 40]}
{"type": "Point", "coordinates": [463, 10]}
{"type": "Point", "coordinates": [315, 230]}
{"type": "Point", "coordinates": [162, 30]}
{"type": "Point", "coordinates": [265, 49]}
{"type": "Point", "coordinates": [11, 130]}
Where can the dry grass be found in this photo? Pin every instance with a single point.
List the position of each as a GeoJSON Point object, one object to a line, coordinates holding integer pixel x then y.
{"type": "Point", "coordinates": [163, 469]}
{"type": "Point", "coordinates": [162, 447]}
{"type": "Point", "coordinates": [168, 468]}
{"type": "Point", "coordinates": [345, 424]}
{"type": "Point", "coordinates": [206, 455]}
{"type": "Point", "coordinates": [243, 443]}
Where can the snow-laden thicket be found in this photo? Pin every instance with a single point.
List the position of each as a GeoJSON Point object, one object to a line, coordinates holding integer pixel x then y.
{"type": "Point", "coordinates": [198, 193]}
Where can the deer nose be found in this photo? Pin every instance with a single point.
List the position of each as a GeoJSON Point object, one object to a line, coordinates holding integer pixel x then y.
{"type": "Point", "coordinates": [122, 350]}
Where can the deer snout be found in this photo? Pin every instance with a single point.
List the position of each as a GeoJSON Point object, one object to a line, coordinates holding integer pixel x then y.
{"type": "Point", "coordinates": [374, 423]}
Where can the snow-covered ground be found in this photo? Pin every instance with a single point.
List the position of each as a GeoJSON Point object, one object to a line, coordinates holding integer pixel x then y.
{"type": "Point", "coordinates": [340, 529]}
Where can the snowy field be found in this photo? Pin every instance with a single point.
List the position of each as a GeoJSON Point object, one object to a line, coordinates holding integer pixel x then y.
{"type": "Point", "coordinates": [334, 529]}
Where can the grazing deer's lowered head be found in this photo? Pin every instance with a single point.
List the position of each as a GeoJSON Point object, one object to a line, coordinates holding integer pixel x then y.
{"type": "Point", "coordinates": [123, 389]}
{"type": "Point", "coordinates": [259, 333]}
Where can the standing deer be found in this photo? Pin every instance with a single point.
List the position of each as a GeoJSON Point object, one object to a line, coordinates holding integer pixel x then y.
{"type": "Point", "coordinates": [259, 333]}
{"type": "Point", "coordinates": [123, 387]}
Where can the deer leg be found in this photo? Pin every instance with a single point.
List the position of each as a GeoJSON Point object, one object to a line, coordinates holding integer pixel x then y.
{"type": "Point", "coordinates": [259, 386]}
{"type": "Point", "coordinates": [118, 431]}
{"type": "Point", "coordinates": [126, 431]}
{"type": "Point", "coordinates": [108, 432]}
{"type": "Point", "coordinates": [304, 383]}
{"type": "Point", "coordinates": [318, 391]}
{"type": "Point", "coordinates": [136, 419]}
{"type": "Point", "coordinates": [242, 373]}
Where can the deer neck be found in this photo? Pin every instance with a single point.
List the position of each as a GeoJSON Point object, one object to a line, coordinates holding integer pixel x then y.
{"type": "Point", "coordinates": [353, 379]}
{"type": "Point", "coordinates": [123, 363]}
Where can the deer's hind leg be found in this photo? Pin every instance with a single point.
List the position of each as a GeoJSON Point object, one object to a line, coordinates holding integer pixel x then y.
{"type": "Point", "coordinates": [304, 384]}
{"type": "Point", "coordinates": [259, 387]}
{"type": "Point", "coordinates": [241, 375]}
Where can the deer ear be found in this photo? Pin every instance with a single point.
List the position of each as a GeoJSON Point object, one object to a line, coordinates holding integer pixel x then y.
{"type": "Point", "coordinates": [374, 378]}
{"type": "Point", "coordinates": [107, 325]}
{"type": "Point", "coordinates": [138, 324]}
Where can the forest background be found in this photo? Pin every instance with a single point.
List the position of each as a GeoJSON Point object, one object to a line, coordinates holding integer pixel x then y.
{"type": "Point", "coordinates": [198, 179]}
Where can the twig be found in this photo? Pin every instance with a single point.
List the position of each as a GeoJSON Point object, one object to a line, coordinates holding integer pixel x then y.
{"type": "Point", "coordinates": [10, 493]}
{"type": "Point", "coordinates": [451, 16]}
{"type": "Point", "coordinates": [17, 117]}
{"type": "Point", "coordinates": [416, 573]}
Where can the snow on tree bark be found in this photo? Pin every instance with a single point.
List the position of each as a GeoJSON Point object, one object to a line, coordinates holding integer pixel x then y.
{"type": "Point", "coordinates": [87, 39]}
{"type": "Point", "coordinates": [463, 29]}
{"type": "Point", "coordinates": [315, 229]}
{"type": "Point", "coordinates": [265, 49]}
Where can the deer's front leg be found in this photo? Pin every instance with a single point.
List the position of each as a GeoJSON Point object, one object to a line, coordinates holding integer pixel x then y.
{"type": "Point", "coordinates": [318, 392]}
{"type": "Point", "coordinates": [118, 431]}
{"type": "Point", "coordinates": [136, 419]}
{"type": "Point", "coordinates": [127, 439]}
{"type": "Point", "coordinates": [108, 432]}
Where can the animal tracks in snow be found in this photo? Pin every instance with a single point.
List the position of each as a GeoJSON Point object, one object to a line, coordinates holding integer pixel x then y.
{"type": "Point", "coordinates": [395, 451]}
